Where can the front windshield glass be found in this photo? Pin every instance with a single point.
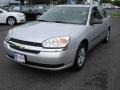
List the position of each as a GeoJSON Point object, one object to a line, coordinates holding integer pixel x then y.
{"type": "Point", "coordinates": [74, 15]}
{"type": "Point", "coordinates": [3, 9]}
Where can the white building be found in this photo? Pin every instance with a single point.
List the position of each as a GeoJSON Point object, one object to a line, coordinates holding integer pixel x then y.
{"type": "Point", "coordinates": [93, 1]}
{"type": "Point", "coordinates": [7, 2]}
{"type": "Point", "coordinates": [3, 2]}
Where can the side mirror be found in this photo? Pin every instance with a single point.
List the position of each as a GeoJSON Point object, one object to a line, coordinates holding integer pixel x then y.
{"type": "Point", "coordinates": [95, 21]}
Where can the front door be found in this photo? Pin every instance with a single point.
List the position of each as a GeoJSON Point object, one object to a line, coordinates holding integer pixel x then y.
{"type": "Point", "coordinates": [96, 30]}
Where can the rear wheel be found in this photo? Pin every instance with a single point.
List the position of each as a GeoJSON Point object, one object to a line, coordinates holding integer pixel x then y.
{"type": "Point", "coordinates": [80, 57]}
{"type": "Point", "coordinates": [11, 21]}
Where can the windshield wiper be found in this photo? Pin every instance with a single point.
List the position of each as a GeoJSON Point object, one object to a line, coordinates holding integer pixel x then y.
{"type": "Point", "coordinates": [52, 21]}
{"type": "Point", "coordinates": [56, 21]}
{"type": "Point", "coordinates": [59, 22]}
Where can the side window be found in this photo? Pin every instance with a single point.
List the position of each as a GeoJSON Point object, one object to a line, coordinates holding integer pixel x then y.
{"type": "Point", "coordinates": [96, 14]}
{"type": "Point", "coordinates": [102, 12]}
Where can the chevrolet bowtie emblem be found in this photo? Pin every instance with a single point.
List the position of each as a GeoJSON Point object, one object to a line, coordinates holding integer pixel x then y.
{"type": "Point", "coordinates": [21, 46]}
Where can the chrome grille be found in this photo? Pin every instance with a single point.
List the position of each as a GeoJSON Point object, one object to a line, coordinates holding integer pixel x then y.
{"type": "Point", "coordinates": [26, 42]}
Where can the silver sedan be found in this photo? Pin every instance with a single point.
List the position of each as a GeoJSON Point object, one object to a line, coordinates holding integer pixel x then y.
{"type": "Point", "coordinates": [60, 38]}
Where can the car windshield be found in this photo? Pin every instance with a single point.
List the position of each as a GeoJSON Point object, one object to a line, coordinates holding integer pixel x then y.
{"type": "Point", "coordinates": [72, 15]}
{"type": "Point", "coordinates": [3, 9]}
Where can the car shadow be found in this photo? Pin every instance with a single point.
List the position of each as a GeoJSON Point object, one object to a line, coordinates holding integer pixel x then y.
{"type": "Point", "coordinates": [12, 25]}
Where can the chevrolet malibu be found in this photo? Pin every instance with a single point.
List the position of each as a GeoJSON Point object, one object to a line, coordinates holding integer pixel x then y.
{"type": "Point", "coordinates": [60, 38]}
{"type": "Point", "coordinates": [11, 18]}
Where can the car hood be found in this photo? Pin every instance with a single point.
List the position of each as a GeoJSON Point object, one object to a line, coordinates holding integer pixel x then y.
{"type": "Point", "coordinates": [40, 31]}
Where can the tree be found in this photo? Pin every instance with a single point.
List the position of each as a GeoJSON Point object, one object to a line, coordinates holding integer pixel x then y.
{"type": "Point", "coordinates": [105, 1]}
{"type": "Point", "coordinates": [47, 1]}
{"type": "Point", "coordinates": [79, 1]}
{"type": "Point", "coordinates": [21, 1]}
{"type": "Point", "coordinates": [41, 1]}
{"type": "Point", "coordinates": [62, 1]}
{"type": "Point", "coordinates": [116, 2]}
{"type": "Point", "coordinates": [65, 1]}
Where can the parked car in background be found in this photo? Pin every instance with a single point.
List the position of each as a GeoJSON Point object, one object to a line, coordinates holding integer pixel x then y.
{"type": "Point", "coordinates": [60, 38]}
{"type": "Point", "coordinates": [6, 7]}
{"type": "Point", "coordinates": [16, 8]}
{"type": "Point", "coordinates": [11, 18]}
{"type": "Point", "coordinates": [31, 12]}
{"type": "Point", "coordinates": [116, 7]}
{"type": "Point", "coordinates": [11, 7]}
{"type": "Point", "coordinates": [108, 6]}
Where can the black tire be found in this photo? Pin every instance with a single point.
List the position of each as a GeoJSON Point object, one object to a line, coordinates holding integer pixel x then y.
{"type": "Point", "coordinates": [107, 38]}
{"type": "Point", "coordinates": [11, 21]}
{"type": "Point", "coordinates": [77, 64]}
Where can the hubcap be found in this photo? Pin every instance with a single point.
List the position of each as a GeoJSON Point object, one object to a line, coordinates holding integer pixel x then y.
{"type": "Point", "coordinates": [108, 35]}
{"type": "Point", "coordinates": [11, 21]}
{"type": "Point", "coordinates": [81, 57]}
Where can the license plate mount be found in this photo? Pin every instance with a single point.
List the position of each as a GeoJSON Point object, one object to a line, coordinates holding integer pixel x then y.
{"type": "Point", "coordinates": [19, 57]}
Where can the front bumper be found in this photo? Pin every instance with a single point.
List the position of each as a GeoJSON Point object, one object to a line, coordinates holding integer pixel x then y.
{"type": "Point", "coordinates": [44, 60]}
{"type": "Point", "coordinates": [21, 19]}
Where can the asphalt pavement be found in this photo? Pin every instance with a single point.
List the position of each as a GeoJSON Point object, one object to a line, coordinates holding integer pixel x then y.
{"type": "Point", "coordinates": [101, 71]}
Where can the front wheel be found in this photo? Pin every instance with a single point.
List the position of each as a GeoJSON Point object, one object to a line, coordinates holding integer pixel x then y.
{"type": "Point", "coordinates": [11, 21]}
{"type": "Point", "coordinates": [80, 57]}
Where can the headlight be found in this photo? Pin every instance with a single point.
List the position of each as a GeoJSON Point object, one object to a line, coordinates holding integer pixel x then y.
{"type": "Point", "coordinates": [59, 42]}
{"type": "Point", "coordinates": [20, 15]}
{"type": "Point", "coordinates": [9, 35]}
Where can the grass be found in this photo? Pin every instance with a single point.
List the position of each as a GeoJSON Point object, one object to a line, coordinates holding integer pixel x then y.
{"type": "Point", "coordinates": [115, 14]}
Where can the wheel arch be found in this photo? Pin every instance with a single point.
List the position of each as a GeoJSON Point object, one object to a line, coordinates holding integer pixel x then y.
{"type": "Point", "coordinates": [75, 66]}
{"type": "Point", "coordinates": [86, 42]}
{"type": "Point", "coordinates": [12, 17]}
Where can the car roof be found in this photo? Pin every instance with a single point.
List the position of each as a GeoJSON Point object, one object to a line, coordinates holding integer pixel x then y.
{"type": "Point", "coordinates": [78, 5]}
